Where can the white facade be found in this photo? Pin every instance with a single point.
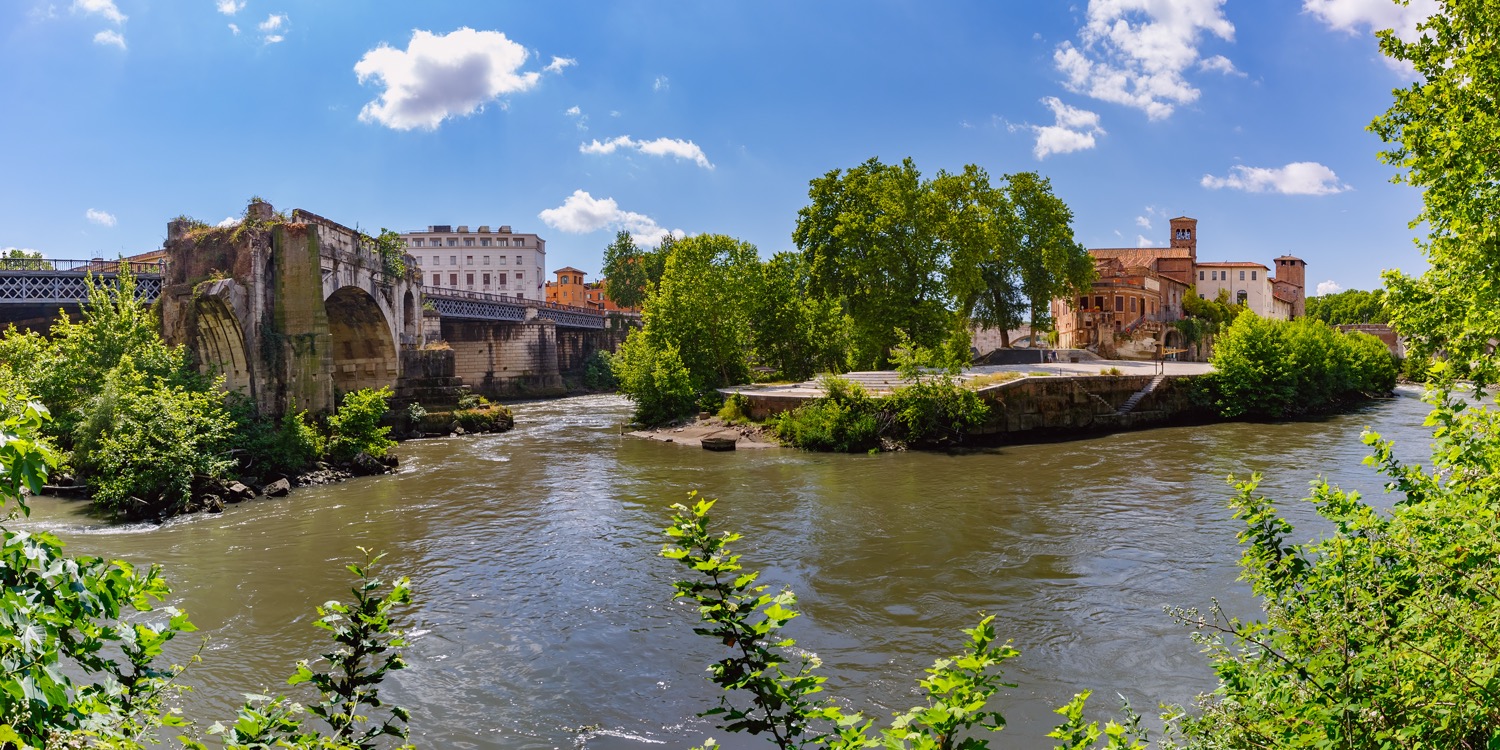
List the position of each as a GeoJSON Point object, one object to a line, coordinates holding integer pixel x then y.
{"type": "Point", "coordinates": [498, 262]}
{"type": "Point", "coordinates": [1248, 284]}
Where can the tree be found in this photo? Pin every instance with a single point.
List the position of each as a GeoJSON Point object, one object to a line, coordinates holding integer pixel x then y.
{"type": "Point", "coordinates": [1443, 133]}
{"type": "Point", "coordinates": [25, 260]}
{"type": "Point", "coordinates": [797, 334]}
{"type": "Point", "coordinates": [1349, 306]}
{"type": "Point", "coordinates": [630, 271]}
{"type": "Point", "coordinates": [868, 239]}
{"type": "Point", "coordinates": [975, 224]}
{"type": "Point", "coordinates": [1051, 263]}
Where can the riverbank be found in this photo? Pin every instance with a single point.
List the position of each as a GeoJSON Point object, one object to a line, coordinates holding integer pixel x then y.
{"type": "Point", "coordinates": [715, 431]}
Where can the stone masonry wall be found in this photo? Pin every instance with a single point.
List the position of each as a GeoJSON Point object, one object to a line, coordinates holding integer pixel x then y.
{"type": "Point", "coordinates": [501, 360]}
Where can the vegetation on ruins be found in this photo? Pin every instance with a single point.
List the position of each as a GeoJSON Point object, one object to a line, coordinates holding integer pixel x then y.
{"type": "Point", "coordinates": [142, 428]}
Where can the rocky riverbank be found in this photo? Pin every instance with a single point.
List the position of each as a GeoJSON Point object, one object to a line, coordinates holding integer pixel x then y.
{"type": "Point", "coordinates": [712, 433]}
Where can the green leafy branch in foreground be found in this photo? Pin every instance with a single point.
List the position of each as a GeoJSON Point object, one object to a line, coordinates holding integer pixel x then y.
{"type": "Point", "coordinates": [783, 698]}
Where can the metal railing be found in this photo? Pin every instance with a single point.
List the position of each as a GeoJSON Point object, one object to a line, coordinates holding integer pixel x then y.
{"type": "Point", "coordinates": [71, 265]}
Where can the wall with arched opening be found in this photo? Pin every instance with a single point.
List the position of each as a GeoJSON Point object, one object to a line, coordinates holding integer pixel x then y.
{"type": "Point", "coordinates": [219, 344]}
{"type": "Point", "coordinates": [364, 353]}
{"type": "Point", "coordinates": [410, 318]}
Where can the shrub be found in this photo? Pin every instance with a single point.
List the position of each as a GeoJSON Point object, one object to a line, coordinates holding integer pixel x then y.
{"type": "Point", "coordinates": [1278, 368]}
{"type": "Point", "coordinates": [288, 445]}
{"type": "Point", "coordinates": [736, 409]}
{"type": "Point", "coordinates": [655, 379]}
{"type": "Point", "coordinates": [490, 418]}
{"type": "Point", "coordinates": [145, 439]}
{"type": "Point", "coordinates": [355, 427]}
{"type": "Point", "coordinates": [844, 420]}
{"type": "Point", "coordinates": [936, 411]}
{"type": "Point", "coordinates": [598, 372]}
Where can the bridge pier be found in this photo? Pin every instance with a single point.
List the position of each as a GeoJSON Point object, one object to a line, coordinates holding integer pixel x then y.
{"type": "Point", "coordinates": [505, 360]}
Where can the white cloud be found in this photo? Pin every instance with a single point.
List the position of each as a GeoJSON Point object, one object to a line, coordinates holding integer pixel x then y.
{"type": "Point", "coordinates": [582, 213]}
{"type": "Point", "coordinates": [1141, 241]}
{"type": "Point", "coordinates": [273, 38]}
{"type": "Point", "coordinates": [102, 218]}
{"type": "Point", "coordinates": [662, 83]}
{"type": "Point", "coordinates": [1369, 16]}
{"type": "Point", "coordinates": [228, 221]}
{"type": "Point", "coordinates": [1134, 52]}
{"type": "Point", "coordinates": [1143, 222]}
{"type": "Point", "coordinates": [109, 38]}
{"type": "Point", "coordinates": [558, 63]}
{"type": "Point", "coordinates": [1328, 287]}
{"type": "Point", "coordinates": [1074, 131]}
{"type": "Point", "coordinates": [104, 8]}
{"type": "Point", "coordinates": [573, 111]}
{"type": "Point", "coordinates": [273, 22]}
{"type": "Point", "coordinates": [438, 77]}
{"type": "Point", "coordinates": [1220, 64]}
{"type": "Point", "coordinates": [235, 28]}
{"type": "Point", "coordinates": [1297, 178]}
{"type": "Point", "coordinates": [231, 7]}
{"type": "Point", "coordinates": [581, 119]}
{"type": "Point", "coordinates": [686, 150]}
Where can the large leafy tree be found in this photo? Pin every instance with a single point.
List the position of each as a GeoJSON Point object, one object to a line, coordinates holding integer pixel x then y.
{"type": "Point", "coordinates": [796, 334]}
{"type": "Point", "coordinates": [632, 271]}
{"type": "Point", "coordinates": [700, 308]}
{"type": "Point", "coordinates": [1349, 306]}
{"type": "Point", "coordinates": [1443, 133]}
{"type": "Point", "coordinates": [1051, 263]}
{"type": "Point", "coordinates": [869, 242]}
{"type": "Point", "coordinates": [975, 224]}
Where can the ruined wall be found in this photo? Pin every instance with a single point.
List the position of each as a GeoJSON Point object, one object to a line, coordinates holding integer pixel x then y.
{"type": "Point", "coordinates": [505, 360]}
{"type": "Point", "coordinates": [576, 345]}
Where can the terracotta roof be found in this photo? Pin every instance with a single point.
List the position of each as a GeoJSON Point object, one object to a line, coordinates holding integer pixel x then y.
{"type": "Point", "coordinates": [567, 269]}
{"type": "Point", "coordinates": [1234, 264]}
{"type": "Point", "coordinates": [1139, 256]}
{"type": "Point", "coordinates": [1283, 297]}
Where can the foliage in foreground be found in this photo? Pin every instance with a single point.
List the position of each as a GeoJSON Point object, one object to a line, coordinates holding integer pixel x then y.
{"type": "Point", "coordinates": [767, 693]}
{"type": "Point", "coordinates": [1280, 368]}
{"type": "Point", "coordinates": [83, 639]}
{"type": "Point", "coordinates": [355, 428]}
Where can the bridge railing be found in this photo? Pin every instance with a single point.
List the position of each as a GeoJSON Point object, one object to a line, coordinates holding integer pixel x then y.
{"type": "Point", "coordinates": [437, 291]}
{"type": "Point", "coordinates": [72, 265]}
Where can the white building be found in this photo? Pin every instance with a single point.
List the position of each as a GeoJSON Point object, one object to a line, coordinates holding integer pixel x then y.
{"type": "Point", "coordinates": [497, 262]}
{"type": "Point", "coordinates": [1248, 284]}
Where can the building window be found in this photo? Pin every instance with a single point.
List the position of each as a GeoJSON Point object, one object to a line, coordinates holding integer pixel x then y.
{"type": "Point", "coordinates": [1242, 275]}
{"type": "Point", "coordinates": [437, 279]}
{"type": "Point", "coordinates": [468, 242]}
{"type": "Point", "coordinates": [502, 279]}
{"type": "Point", "coordinates": [1252, 276]}
{"type": "Point", "coordinates": [1083, 303]}
{"type": "Point", "coordinates": [468, 260]}
{"type": "Point", "coordinates": [486, 260]}
{"type": "Point", "coordinates": [486, 281]}
{"type": "Point", "coordinates": [452, 242]}
{"type": "Point", "coordinates": [416, 243]}
{"type": "Point", "coordinates": [519, 274]}
{"type": "Point", "coordinates": [1099, 302]}
{"type": "Point", "coordinates": [469, 279]}
{"type": "Point", "coordinates": [502, 260]}
{"type": "Point", "coordinates": [484, 242]}
{"type": "Point", "coordinates": [453, 260]}
{"type": "Point", "coordinates": [1132, 304]}
{"type": "Point", "coordinates": [518, 242]}
{"type": "Point", "coordinates": [1242, 296]}
{"type": "Point", "coordinates": [1119, 304]}
{"type": "Point", "coordinates": [520, 295]}
{"type": "Point", "coordinates": [1200, 275]}
{"type": "Point", "coordinates": [452, 279]}
{"type": "Point", "coordinates": [519, 261]}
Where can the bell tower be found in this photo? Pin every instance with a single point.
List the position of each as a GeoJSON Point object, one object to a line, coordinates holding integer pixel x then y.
{"type": "Point", "coordinates": [1185, 235]}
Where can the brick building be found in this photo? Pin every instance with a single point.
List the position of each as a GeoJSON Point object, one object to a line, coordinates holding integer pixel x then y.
{"type": "Point", "coordinates": [1138, 294]}
{"type": "Point", "coordinates": [571, 289]}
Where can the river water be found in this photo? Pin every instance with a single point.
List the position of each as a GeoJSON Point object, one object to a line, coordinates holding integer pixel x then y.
{"type": "Point", "coordinates": [543, 614]}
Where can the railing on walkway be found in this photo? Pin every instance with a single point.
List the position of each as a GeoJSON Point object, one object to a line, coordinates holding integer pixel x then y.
{"type": "Point", "coordinates": [462, 303]}
{"type": "Point", "coordinates": [64, 281]}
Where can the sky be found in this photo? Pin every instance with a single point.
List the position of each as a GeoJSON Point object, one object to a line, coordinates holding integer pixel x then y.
{"type": "Point", "coordinates": [574, 120]}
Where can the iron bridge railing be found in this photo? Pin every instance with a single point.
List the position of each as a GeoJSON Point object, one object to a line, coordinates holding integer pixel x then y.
{"type": "Point", "coordinates": [460, 303]}
{"type": "Point", "coordinates": [29, 281]}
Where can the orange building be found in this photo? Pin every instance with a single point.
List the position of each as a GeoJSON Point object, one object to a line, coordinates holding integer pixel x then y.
{"type": "Point", "coordinates": [570, 289]}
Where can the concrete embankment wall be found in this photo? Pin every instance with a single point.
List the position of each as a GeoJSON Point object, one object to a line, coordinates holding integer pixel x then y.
{"type": "Point", "coordinates": [1061, 406]}
{"type": "Point", "coordinates": [505, 361]}
{"type": "Point", "coordinates": [1056, 407]}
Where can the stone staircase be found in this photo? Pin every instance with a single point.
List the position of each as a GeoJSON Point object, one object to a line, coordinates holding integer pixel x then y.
{"type": "Point", "coordinates": [1135, 398]}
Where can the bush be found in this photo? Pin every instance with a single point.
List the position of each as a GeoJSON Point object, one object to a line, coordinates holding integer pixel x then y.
{"type": "Point", "coordinates": [355, 427]}
{"type": "Point", "coordinates": [736, 409]}
{"type": "Point", "coordinates": [288, 445]}
{"type": "Point", "coordinates": [844, 420]}
{"type": "Point", "coordinates": [489, 418]}
{"type": "Point", "coordinates": [655, 379]}
{"type": "Point", "coordinates": [598, 372]}
{"type": "Point", "coordinates": [1278, 368]}
{"type": "Point", "coordinates": [145, 439]}
{"type": "Point", "coordinates": [937, 411]}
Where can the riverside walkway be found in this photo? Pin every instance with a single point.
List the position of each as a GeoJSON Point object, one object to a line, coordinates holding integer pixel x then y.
{"type": "Point", "coordinates": [884, 381]}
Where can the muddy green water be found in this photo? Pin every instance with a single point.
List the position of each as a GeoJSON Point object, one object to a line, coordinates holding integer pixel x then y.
{"type": "Point", "coordinates": [544, 616]}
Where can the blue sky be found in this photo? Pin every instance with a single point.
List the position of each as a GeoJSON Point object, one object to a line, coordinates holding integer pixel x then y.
{"type": "Point", "coordinates": [574, 119]}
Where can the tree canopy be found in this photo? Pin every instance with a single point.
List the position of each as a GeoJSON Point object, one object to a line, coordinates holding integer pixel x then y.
{"type": "Point", "coordinates": [1349, 306]}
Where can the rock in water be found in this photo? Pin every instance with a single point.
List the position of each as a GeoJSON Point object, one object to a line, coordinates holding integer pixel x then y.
{"type": "Point", "coordinates": [365, 465]}
{"type": "Point", "coordinates": [278, 488]}
{"type": "Point", "coordinates": [718, 443]}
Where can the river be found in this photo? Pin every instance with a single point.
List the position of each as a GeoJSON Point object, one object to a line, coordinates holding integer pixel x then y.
{"type": "Point", "coordinates": [543, 614]}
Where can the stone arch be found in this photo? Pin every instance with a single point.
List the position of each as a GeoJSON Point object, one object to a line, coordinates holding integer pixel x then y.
{"type": "Point", "coordinates": [364, 353]}
{"type": "Point", "coordinates": [409, 317]}
{"type": "Point", "coordinates": [219, 344]}
{"type": "Point", "coordinates": [1172, 338]}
